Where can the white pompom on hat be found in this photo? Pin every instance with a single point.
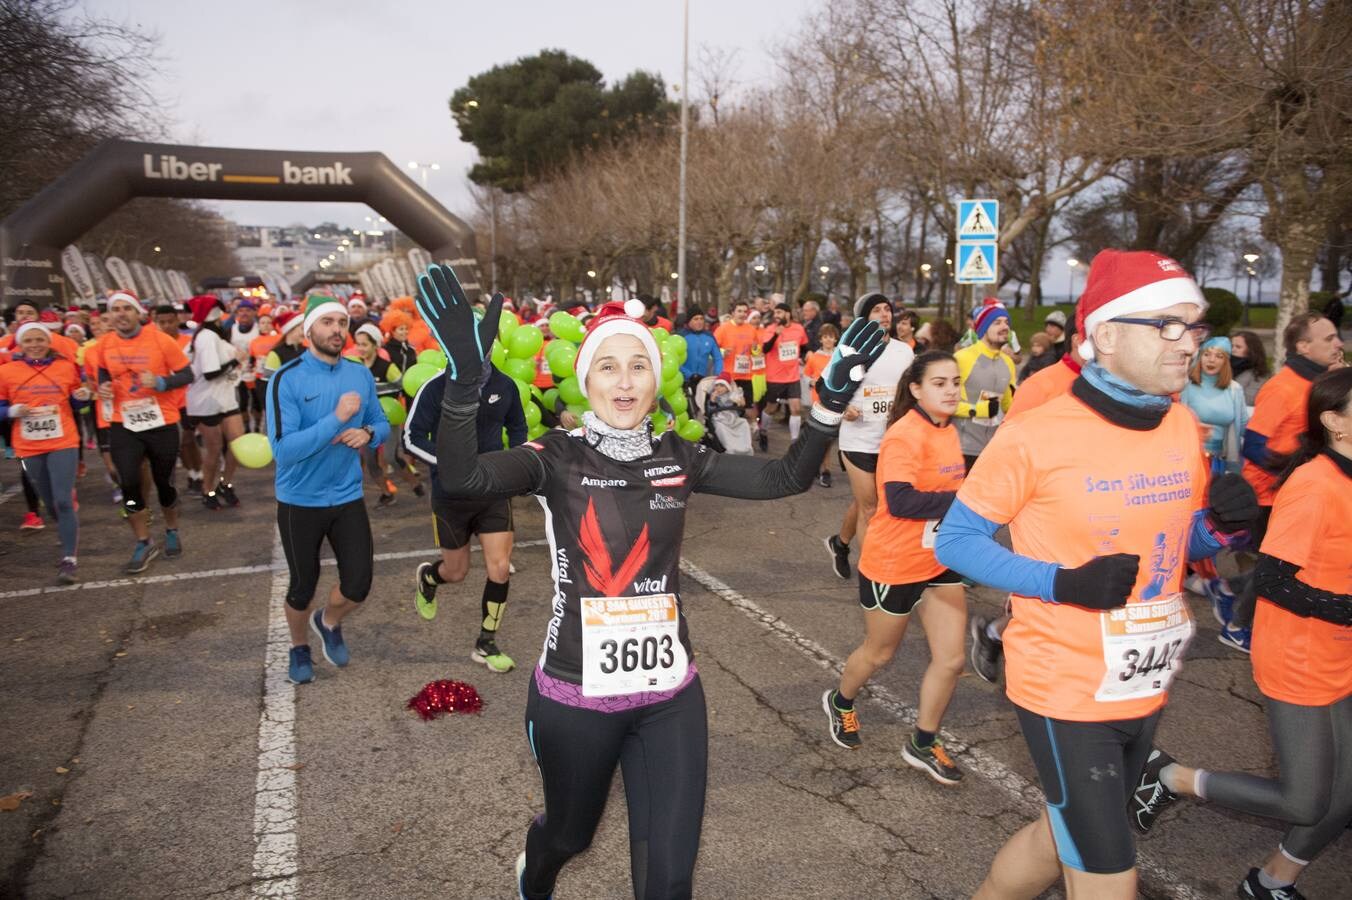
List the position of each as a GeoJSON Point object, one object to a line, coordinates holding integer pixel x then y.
{"type": "Point", "coordinates": [611, 319]}
{"type": "Point", "coordinates": [1127, 282]}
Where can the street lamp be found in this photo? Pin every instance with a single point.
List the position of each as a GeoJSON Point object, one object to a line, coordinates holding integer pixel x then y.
{"type": "Point", "coordinates": [1249, 258]}
{"type": "Point", "coordinates": [591, 273]}
{"type": "Point", "coordinates": [925, 269]}
{"type": "Point", "coordinates": [1073, 263]}
{"type": "Point", "coordinates": [424, 168]}
{"type": "Point", "coordinates": [157, 248]}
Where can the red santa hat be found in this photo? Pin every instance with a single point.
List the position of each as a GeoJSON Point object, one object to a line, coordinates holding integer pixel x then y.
{"type": "Point", "coordinates": [126, 297]}
{"type": "Point", "coordinates": [206, 308]}
{"type": "Point", "coordinates": [287, 319]}
{"type": "Point", "coordinates": [611, 319]}
{"type": "Point", "coordinates": [1128, 282]}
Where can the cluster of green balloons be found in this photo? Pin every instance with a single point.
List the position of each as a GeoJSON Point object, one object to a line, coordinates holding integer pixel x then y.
{"type": "Point", "coordinates": [514, 353]}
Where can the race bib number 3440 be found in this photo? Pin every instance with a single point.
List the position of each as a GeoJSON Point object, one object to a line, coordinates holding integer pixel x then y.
{"type": "Point", "coordinates": [1143, 646]}
{"type": "Point", "coordinates": [631, 644]}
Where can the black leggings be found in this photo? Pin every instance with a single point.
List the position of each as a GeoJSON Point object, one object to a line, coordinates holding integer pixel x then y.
{"type": "Point", "coordinates": [663, 753]}
{"type": "Point", "coordinates": [303, 530]}
{"type": "Point", "coordinates": [1314, 788]}
{"type": "Point", "coordinates": [128, 448]}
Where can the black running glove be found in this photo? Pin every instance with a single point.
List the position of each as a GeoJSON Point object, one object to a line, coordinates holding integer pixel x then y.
{"type": "Point", "coordinates": [448, 313]}
{"type": "Point", "coordinates": [859, 347]}
{"type": "Point", "coordinates": [1233, 506]}
{"type": "Point", "coordinates": [1105, 582]}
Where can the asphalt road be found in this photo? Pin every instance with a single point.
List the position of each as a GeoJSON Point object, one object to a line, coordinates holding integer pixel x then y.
{"type": "Point", "coordinates": [160, 758]}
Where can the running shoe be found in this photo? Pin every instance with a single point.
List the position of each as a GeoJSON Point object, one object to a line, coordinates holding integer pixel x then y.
{"type": "Point", "coordinates": [331, 639]}
{"type": "Point", "coordinates": [419, 490]}
{"type": "Point", "coordinates": [301, 669]}
{"type": "Point", "coordinates": [986, 651]}
{"type": "Point", "coordinates": [1235, 637]}
{"type": "Point", "coordinates": [425, 594]}
{"type": "Point", "coordinates": [1252, 887]}
{"type": "Point", "coordinates": [81, 470]}
{"type": "Point", "coordinates": [32, 522]}
{"type": "Point", "coordinates": [486, 651]}
{"type": "Point", "coordinates": [933, 760]}
{"type": "Point", "coordinates": [173, 547]}
{"type": "Point", "coordinates": [194, 485]}
{"type": "Point", "coordinates": [386, 500]}
{"type": "Point", "coordinates": [824, 479]}
{"type": "Point", "coordinates": [844, 722]}
{"type": "Point", "coordinates": [763, 440]}
{"type": "Point", "coordinates": [117, 496]}
{"type": "Point", "coordinates": [140, 557]}
{"type": "Point", "coordinates": [1151, 797]}
{"type": "Point", "coordinates": [1222, 600]}
{"type": "Point", "coordinates": [840, 555]}
{"type": "Point", "coordinates": [521, 877]}
{"type": "Point", "coordinates": [212, 501]}
{"type": "Point", "coordinates": [65, 573]}
{"type": "Point", "coordinates": [227, 493]}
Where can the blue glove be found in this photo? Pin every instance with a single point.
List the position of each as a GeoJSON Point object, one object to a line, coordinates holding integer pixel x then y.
{"type": "Point", "coordinates": [448, 313]}
{"type": "Point", "coordinates": [859, 347]}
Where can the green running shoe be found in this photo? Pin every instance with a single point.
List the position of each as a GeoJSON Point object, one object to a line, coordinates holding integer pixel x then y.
{"type": "Point", "coordinates": [486, 651]}
{"type": "Point", "coordinates": [425, 595]}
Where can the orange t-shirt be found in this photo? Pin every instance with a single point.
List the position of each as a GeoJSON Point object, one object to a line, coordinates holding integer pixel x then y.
{"type": "Point", "coordinates": [1298, 660]}
{"type": "Point", "coordinates": [781, 360]}
{"type": "Point", "coordinates": [61, 345]}
{"type": "Point", "coordinates": [739, 344]}
{"type": "Point", "coordinates": [929, 458]}
{"type": "Point", "coordinates": [259, 348]}
{"type": "Point", "coordinates": [1073, 486]}
{"type": "Point", "coordinates": [813, 367]}
{"type": "Point", "coordinates": [544, 379]}
{"type": "Point", "coordinates": [124, 360]}
{"type": "Point", "coordinates": [1279, 414]}
{"type": "Point", "coordinates": [46, 387]}
{"type": "Point", "coordinates": [1042, 386]}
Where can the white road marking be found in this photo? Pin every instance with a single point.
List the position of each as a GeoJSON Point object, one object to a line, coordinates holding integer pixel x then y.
{"type": "Point", "coordinates": [277, 565]}
{"type": "Point", "coordinates": [1023, 792]}
{"type": "Point", "coordinates": [276, 844]}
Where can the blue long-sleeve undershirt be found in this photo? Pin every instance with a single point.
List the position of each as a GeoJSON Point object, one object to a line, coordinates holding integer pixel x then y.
{"type": "Point", "coordinates": [1255, 448]}
{"type": "Point", "coordinates": [966, 543]}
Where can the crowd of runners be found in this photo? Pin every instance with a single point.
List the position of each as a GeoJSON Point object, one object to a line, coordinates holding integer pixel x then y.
{"type": "Point", "coordinates": [1126, 456]}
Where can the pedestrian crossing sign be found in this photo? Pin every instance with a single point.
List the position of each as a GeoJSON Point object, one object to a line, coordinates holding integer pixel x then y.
{"type": "Point", "coordinates": [976, 263]}
{"type": "Point", "coordinates": [978, 220]}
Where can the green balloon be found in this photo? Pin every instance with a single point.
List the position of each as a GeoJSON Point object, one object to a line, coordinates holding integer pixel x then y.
{"type": "Point", "coordinates": [498, 355]}
{"type": "Point", "coordinates": [506, 326]}
{"type": "Point", "coordinates": [532, 415]}
{"type": "Point", "coordinates": [417, 375]}
{"type": "Point", "coordinates": [535, 431]}
{"type": "Point", "coordinates": [562, 357]}
{"type": "Point", "coordinates": [577, 409]}
{"type": "Point", "coordinates": [525, 342]}
{"type": "Point", "coordinates": [681, 419]}
{"type": "Point", "coordinates": [676, 347]}
{"type": "Point", "coordinates": [676, 400]}
{"type": "Point", "coordinates": [571, 392]}
{"type": "Point", "coordinates": [660, 334]}
{"type": "Point", "coordinates": [252, 450]}
{"type": "Point", "coordinates": [523, 389]}
{"type": "Point", "coordinates": [520, 369]}
{"type": "Point", "coordinates": [672, 384]}
{"type": "Point", "coordinates": [551, 399]}
{"type": "Point", "coordinates": [692, 431]}
{"type": "Point", "coordinates": [660, 421]}
{"type": "Point", "coordinates": [670, 369]}
{"type": "Point", "coordinates": [565, 325]}
{"type": "Point", "coordinates": [434, 358]}
{"type": "Point", "coordinates": [394, 410]}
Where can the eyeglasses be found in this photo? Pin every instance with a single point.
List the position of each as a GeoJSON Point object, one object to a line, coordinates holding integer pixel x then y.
{"type": "Point", "coordinates": [1172, 329]}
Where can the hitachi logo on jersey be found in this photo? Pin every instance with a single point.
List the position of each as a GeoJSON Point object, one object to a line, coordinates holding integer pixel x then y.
{"type": "Point", "coordinates": [175, 169]}
{"type": "Point", "coordinates": [660, 470]}
{"type": "Point", "coordinates": [651, 586]}
{"type": "Point", "coordinates": [334, 174]}
{"type": "Point", "coordinates": [603, 482]}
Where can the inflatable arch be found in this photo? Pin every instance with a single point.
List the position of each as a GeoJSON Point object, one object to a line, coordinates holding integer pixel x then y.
{"type": "Point", "coordinates": [32, 237]}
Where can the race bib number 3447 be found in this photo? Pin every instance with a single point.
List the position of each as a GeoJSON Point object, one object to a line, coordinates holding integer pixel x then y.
{"type": "Point", "coordinates": [631, 644]}
{"type": "Point", "coordinates": [1143, 646]}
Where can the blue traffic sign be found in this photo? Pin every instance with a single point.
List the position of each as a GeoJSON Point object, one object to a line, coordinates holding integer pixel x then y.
{"type": "Point", "coordinates": [976, 262]}
{"type": "Point", "coordinates": [978, 220]}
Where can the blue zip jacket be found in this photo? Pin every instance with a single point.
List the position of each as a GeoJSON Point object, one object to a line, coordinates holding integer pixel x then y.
{"type": "Point", "coordinates": [702, 355]}
{"type": "Point", "coordinates": [302, 395]}
{"type": "Point", "coordinates": [499, 408]}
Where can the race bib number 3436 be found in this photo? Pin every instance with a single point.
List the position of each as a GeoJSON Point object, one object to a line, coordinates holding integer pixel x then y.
{"type": "Point", "coordinates": [1143, 646]}
{"type": "Point", "coordinates": [631, 644]}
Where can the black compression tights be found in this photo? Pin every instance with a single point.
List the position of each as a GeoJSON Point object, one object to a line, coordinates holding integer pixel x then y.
{"type": "Point", "coordinates": [663, 753]}
{"type": "Point", "coordinates": [1314, 789]}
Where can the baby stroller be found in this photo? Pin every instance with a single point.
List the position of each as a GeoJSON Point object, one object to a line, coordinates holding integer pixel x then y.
{"type": "Point", "coordinates": [721, 406]}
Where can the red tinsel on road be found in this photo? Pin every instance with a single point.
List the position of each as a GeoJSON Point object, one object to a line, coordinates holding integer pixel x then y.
{"type": "Point", "coordinates": [440, 697]}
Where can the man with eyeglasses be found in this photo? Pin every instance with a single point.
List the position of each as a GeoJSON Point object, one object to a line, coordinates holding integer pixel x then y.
{"type": "Point", "coordinates": [1105, 491]}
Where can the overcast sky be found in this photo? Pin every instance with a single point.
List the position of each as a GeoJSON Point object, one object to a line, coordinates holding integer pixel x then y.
{"type": "Point", "coordinates": [344, 75]}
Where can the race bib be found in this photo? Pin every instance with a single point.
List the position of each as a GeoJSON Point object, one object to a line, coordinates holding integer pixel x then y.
{"type": "Point", "coordinates": [758, 362]}
{"type": "Point", "coordinates": [741, 364]}
{"type": "Point", "coordinates": [1143, 645]}
{"type": "Point", "coordinates": [931, 532]}
{"type": "Point", "coordinates": [142, 415]}
{"type": "Point", "coordinates": [631, 644]}
{"type": "Point", "coordinates": [45, 426]}
{"type": "Point", "coordinates": [788, 352]}
{"type": "Point", "coordinates": [876, 401]}
{"type": "Point", "coordinates": [106, 408]}
{"type": "Point", "coordinates": [542, 366]}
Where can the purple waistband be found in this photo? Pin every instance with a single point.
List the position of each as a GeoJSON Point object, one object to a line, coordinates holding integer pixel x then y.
{"type": "Point", "coordinates": [570, 694]}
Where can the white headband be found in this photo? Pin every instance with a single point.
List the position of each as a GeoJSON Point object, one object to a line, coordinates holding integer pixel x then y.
{"type": "Point", "coordinates": [328, 307]}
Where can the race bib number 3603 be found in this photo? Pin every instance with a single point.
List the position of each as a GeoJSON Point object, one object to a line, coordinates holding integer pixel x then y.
{"type": "Point", "coordinates": [631, 644]}
{"type": "Point", "coordinates": [1143, 646]}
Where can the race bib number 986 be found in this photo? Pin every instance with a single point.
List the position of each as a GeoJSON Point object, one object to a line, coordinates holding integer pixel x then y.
{"type": "Point", "coordinates": [631, 644]}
